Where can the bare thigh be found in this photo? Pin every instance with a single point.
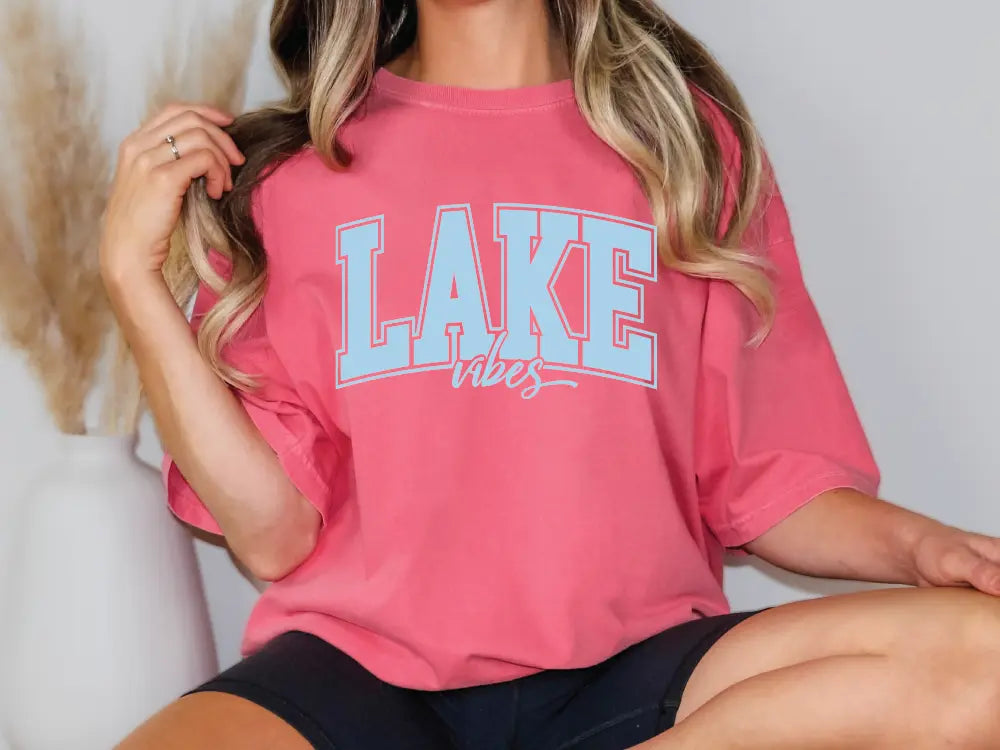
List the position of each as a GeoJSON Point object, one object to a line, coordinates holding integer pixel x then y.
{"type": "Point", "coordinates": [214, 721]}
{"type": "Point", "coordinates": [907, 622]}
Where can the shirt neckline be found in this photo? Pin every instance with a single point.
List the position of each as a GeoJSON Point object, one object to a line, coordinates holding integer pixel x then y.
{"type": "Point", "coordinates": [460, 97]}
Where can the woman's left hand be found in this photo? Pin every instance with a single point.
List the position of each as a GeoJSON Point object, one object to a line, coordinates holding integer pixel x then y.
{"type": "Point", "coordinates": [847, 534]}
{"type": "Point", "coordinates": [953, 557]}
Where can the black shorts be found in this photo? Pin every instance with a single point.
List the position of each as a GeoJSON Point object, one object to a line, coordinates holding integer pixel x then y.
{"type": "Point", "coordinates": [336, 704]}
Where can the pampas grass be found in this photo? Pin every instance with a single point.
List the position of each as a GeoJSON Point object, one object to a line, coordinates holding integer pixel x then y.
{"type": "Point", "coordinates": [215, 73]}
{"type": "Point", "coordinates": [53, 307]}
{"type": "Point", "coordinates": [51, 296]}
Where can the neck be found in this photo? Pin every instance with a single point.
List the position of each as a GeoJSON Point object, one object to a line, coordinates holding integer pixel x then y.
{"type": "Point", "coordinates": [490, 44]}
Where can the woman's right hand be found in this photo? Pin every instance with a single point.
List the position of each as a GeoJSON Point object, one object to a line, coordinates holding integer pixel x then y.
{"type": "Point", "coordinates": [150, 183]}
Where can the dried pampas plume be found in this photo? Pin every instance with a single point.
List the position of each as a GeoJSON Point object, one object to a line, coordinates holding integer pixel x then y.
{"type": "Point", "coordinates": [52, 300]}
{"type": "Point", "coordinates": [53, 307]}
{"type": "Point", "coordinates": [214, 73]}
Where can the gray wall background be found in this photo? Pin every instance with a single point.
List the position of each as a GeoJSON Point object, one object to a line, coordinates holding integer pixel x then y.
{"type": "Point", "coordinates": [881, 120]}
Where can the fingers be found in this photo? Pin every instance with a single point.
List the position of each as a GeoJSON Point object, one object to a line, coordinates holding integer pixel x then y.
{"type": "Point", "coordinates": [152, 163]}
{"type": "Point", "coordinates": [965, 564]}
{"type": "Point", "coordinates": [186, 142]}
{"type": "Point", "coordinates": [985, 576]}
{"type": "Point", "coordinates": [152, 137]}
{"type": "Point", "coordinates": [210, 113]}
{"type": "Point", "coordinates": [176, 175]}
{"type": "Point", "coordinates": [195, 131]}
{"type": "Point", "coordinates": [987, 546]}
{"type": "Point", "coordinates": [191, 120]}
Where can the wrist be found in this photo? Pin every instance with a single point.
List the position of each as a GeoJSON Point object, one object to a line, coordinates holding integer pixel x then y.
{"type": "Point", "coordinates": [125, 280]}
{"type": "Point", "coordinates": [123, 263]}
{"type": "Point", "coordinates": [138, 295]}
{"type": "Point", "coordinates": [909, 532]}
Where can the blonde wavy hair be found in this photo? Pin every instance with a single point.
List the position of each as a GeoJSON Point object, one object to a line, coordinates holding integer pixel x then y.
{"type": "Point", "coordinates": [637, 76]}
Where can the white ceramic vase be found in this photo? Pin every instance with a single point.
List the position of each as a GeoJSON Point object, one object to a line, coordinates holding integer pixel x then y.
{"type": "Point", "coordinates": [107, 620]}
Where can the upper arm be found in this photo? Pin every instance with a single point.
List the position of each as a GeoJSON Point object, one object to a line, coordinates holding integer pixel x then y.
{"type": "Point", "coordinates": [776, 423]}
{"type": "Point", "coordinates": [307, 451]}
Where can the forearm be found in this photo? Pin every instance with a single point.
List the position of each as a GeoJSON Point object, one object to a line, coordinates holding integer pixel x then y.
{"type": "Point", "coordinates": [210, 437]}
{"type": "Point", "coordinates": [847, 534]}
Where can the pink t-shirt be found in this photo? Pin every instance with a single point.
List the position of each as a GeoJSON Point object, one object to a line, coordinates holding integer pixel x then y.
{"type": "Point", "coordinates": [529, 441]}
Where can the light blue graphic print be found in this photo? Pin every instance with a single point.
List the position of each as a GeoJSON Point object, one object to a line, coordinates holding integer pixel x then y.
{"type": "Point", "coordinates": [531, 338]}
{"type": "Point", "coordinates": [616, 252]}
{"type": "Point", "coordinates": [366, 351]}
{"type": "Point", "coordinates": [462, 319]}
{"type": "Point", "coordinates": [535, 245]}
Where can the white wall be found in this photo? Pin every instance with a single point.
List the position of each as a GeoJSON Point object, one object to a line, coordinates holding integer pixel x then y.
{"type": "Point", "coordinates": [880, 119]}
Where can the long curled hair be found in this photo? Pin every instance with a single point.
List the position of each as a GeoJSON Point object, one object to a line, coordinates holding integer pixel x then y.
{"type": "Point", "coordinates": [633, 69]}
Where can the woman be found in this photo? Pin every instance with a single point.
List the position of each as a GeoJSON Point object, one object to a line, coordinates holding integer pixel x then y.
{"type": "Point", "coordinates": [514, 344]}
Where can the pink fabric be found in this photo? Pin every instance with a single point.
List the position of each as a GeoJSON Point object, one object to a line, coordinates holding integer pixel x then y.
{"type": "Point", "coordinates": [529, 441]}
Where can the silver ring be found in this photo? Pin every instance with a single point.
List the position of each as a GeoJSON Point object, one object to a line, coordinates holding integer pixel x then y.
{"type": "Point", "coordinates": [173, 146]}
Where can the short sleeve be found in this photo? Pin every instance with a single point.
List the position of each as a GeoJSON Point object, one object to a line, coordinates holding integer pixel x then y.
{"type": "Point", "coordinates": [309, 456]}
{"type": "Point", "coordinates": [776, 425]}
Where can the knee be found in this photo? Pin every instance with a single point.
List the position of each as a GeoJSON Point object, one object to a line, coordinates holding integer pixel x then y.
{"type": "Point", "coordinates": [969, 713]}
{"type": "Point", "coordinates": [968, 641]}
{"type": "Point", "coordinates": [967, 660]}
{"type": "Point", "coordinates": [976, 620]}
{"type": "Point", "coordinates": [957, 622]}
